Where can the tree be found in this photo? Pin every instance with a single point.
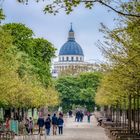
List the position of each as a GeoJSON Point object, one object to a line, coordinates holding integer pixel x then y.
{"type": "Point", "coordinates": [43, 52]}
{"type": "Point", "coordinates": [122, 77]}
{"type": "Point", "coordinates": [20, 86]}
{"type": "Point", "coordinates": [79, 90]}
{"type": "Point", "coordinates": [120, 7]}
{"type": "Point", "coordinates": [2, 16]}
{"type": "Point", "coordinates": [35, 53]}
{"type": "Point", "coordinates": [22, 36]}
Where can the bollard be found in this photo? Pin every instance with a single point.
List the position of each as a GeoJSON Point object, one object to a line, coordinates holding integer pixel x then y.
{"type": "Point", "coordinates": [2, 136]}
{"type": "Point", "coordinates": [38, 137]}
{"type": "Point", "coordinates": [23, 137]}
{"type": "Point", "coordinates": [6, 135]}
{"type": "Point", "coordinates": [13, 135]}
{"type": "Point", "coordinates": [45, 136]}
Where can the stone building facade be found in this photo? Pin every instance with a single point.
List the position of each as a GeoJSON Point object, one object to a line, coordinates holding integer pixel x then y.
{"type": "Point", "coordinates": [71, 58]}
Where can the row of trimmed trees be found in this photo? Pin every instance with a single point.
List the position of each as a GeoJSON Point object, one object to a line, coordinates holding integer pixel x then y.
{"type": "Point", "coordinates": [122, 72]}
{"type": "Point", "coordinates": [120, 86]}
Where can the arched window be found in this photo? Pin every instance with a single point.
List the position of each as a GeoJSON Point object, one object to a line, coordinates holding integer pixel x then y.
{"type": "Point", "coordinates": [60, 59]}
{"type": "Point", "coordinates": [72, 58]}
{"type": "Point", "coordinates": [67, 58]}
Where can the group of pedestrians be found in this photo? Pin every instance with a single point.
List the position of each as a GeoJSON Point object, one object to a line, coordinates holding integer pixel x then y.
{"type": "Point", "coordinates": [79, 116]}
{"type": "Point", "coordinates": [54, 122]}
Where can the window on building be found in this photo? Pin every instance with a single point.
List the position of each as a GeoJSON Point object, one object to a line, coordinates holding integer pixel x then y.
{"type": "Point", "coordinates": [71, 58]}
{"type": "Point", "coordinates": [62, 58]}
{"type": "Point", "coordinates": [67, 58]}
{"type": "Point", "coordinates": [76, 58]}
{"type": "Point", "coordinates": [80, 58]}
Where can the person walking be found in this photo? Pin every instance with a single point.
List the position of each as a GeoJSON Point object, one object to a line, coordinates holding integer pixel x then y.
{"type": "Point", "coordinates": [60, 124]}
{"type": "Point", "coordinates": [31, 125]}
{"type": "Point", "coordinates": [48, 125]}
{"type": "Point", "coordinates": [40, 123]}
{"type": "Point", "coordinates": [78, 116]}
{"type": "Point", "coordinates": [70, 113]}
{"type": "Point", "coordinates": [21, 127]}
{"type": "Point", "coordinates": [7, 123]}
{"type": "Point", "coordinates": [54, 123]}
{"type": "Point", "coordinates": [81, 116]}
{"type": "Point", "coordinates": [27, 125]}
{"type": "Point", "coordinates": [88, 116]}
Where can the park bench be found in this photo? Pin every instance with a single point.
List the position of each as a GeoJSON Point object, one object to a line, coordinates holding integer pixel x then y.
{"type": "Point", "coordinates": [106, 124]}
{"type": "Point", "coordinates": [114, 131]}
{"type": "Point", "coordinates": [127, 136]}
{"type": "Point", "coordinates": [120, 133]}
{"type": "Point", "coordinates": [123, 134]}
{"type": "Point", "coordinates": [7, 135]}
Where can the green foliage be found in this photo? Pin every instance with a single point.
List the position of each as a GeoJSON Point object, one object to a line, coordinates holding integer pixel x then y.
{"type": "Point", "coordinates": [21, 35]}
{"type": "Point", "coordinates": [79, 90]}
{"type": "Point", "coordinates": [34, 53]}
{"type": "Point", "coordinates": [121, 7]}
{"type": "Point", "coordinates": [43, 51]}
{"type": "Point", "coordinates": [2, 16]}
{"type": "Point", "coordinates": [20, 81]}
{"type": "Point", "coordinates": [122, 77]}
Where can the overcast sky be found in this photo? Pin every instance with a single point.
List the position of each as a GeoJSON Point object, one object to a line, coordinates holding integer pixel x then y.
{"type": "Point", "coordinates": [86, 24]}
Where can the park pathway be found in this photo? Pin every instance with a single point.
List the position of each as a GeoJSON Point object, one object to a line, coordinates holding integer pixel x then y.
{"type": "Point", "coordinates": [78, 131]}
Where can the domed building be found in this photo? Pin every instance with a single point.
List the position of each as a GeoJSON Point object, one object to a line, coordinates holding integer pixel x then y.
{"type": "Point", "coordinates": [71, 51]}
{"type": "Point", "coordinates": [71, 57]}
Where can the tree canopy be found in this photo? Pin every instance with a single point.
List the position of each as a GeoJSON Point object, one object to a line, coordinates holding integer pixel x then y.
{"type": "Point", "coordinates": [79, 90]}
{"type": "Point", "coordinates": [35, 53]}
{"type": "Point", "coordinates": [22, 60]}
{"type": "Point", "coordinates": [121, 7]}
{"type": "Point", "coordinates": [2, 16]}
{"type": "Point", "coordinates": [122, 76]}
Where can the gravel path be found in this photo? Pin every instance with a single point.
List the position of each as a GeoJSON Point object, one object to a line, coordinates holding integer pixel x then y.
{"type": "Point", "coordinates": [76, 131]}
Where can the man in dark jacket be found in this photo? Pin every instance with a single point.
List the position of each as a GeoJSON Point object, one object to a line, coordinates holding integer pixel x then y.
{"type": "Point", "coordinates": [54, 123]}
{"type": "Point", "coordinates": [60, 123]}
{"type": "Point", "coordinates": [48, 124]}
{"type": "Point", "coordinates": [40, 123]}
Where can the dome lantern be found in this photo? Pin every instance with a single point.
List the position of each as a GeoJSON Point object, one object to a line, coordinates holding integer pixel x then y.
{"type": "Point", "coordinates": [71, 34]}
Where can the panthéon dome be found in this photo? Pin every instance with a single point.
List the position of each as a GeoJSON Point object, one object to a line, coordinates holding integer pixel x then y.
{"type": "Point", "coordinates": [71, 47]}
{"type": "Point", "coordinates": [71, 58]}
